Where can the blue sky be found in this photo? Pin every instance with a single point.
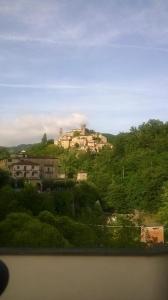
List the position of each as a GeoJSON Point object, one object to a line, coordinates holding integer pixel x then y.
{"type": "Point", "coordinates": [64, 62]}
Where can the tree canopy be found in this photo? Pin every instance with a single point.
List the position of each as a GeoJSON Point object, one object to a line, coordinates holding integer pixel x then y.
{"type": "Point", "coordinates": [132, 176]}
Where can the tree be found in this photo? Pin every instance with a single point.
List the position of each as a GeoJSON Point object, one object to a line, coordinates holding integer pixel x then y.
{"type": "Point", "coordinates": [23, 230]}
{"type": "Point", "coordinates": [76, 233]}
{"type": "Point", "coordinates": [47, 217]}
{"type": "Point", "coordinates": [79, 235]}
{"type": "Point", "coordinates": [44, 139]}
{"type": "Point", "coordinates": [4, 153]}
{"type": "Point", "coordinates": [85, 197]}
{"type": "Point", "coordinates": [163, 210]}
{"type": "Point", "coordinates": [116, 198]}
{"type": "Point", "coordinates": [64, 202]}
{"type": "Point", "coordinates": [8, 201]}
{"type": "Point", "coordinates": [31, 200]}
{"type": "Point", "coordinates": [69, 163]}
{"type": "Point", "coordinates": [124, 233]}
{"type": "Point", "coordinates": [4, 178]}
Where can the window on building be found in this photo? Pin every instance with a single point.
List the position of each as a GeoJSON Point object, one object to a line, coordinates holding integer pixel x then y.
{"type": "Point", "coordinates": [34, 173]}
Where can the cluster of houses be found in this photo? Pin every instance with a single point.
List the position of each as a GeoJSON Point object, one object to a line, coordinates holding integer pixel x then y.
{"type": "Point", "coordinates": [82, 139]}
{"type": "Point", "coordinates": [35, 169]}
{"type": "Point", "coordinates": [31, 169]}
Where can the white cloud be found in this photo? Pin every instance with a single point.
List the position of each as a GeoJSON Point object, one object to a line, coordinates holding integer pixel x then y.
{"type": "Point", "coordinates": [30, 128]}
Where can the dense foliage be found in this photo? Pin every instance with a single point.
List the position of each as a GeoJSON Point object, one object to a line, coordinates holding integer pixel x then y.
{"type": "Point", "coordinates": [133, 175]}
{"type": "Point", "coordinates": [129, 176]}
{"type": "Point", "coordinates": [4, 153]}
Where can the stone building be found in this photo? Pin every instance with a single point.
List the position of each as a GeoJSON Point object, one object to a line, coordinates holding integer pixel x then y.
{"type": "Point", "coordinates": [25, 169]}
{"type": "Point", "coordinates": [32, 168]}
{"type": "Point", "coordinates": [82, 176]}
{"type": "Point", "coordinates": [82, 139]}
{"type": "Point", "coordinates": [152, 234]}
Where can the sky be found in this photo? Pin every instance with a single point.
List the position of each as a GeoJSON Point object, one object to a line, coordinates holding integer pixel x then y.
{"type": "Point", "coordinates": [66, 62]}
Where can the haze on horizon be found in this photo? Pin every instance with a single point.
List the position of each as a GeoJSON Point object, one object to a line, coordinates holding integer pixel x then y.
{"type": "Point", "coordinates": [66, 62]}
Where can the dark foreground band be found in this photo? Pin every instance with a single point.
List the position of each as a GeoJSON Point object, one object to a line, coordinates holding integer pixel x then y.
{"type": "Point", "coordinates": [4, 277]}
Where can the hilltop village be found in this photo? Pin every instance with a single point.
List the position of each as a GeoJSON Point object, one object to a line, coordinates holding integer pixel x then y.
{"type": "Point", "coordinates": [82, 139]}
{"type": "Point", "coordinates": [35, 169]}
{"type": "Point", "coordinates": [82, 178]}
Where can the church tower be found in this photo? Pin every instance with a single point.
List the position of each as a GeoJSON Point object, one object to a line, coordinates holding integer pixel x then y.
{"type": "Point", "coordinates": [83, 129]}
{"type": "Point", "coordinates": [60, 132]}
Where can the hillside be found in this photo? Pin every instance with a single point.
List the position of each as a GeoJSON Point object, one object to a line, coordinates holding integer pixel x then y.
{"type": "Point", "coordinates": [129, 176]}
{"type": "Point", "coordinates": [133, 175]}
{"type": "Point", "coordinates": [19, 148]}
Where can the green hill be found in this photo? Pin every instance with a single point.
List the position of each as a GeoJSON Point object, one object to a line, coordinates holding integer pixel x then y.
{"type": "Point", "coordinates": [129, 176]}
{"type": "Point", "coordinates": [133, 175]}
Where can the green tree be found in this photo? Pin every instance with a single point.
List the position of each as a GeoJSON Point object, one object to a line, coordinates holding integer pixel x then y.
{"type": "Point", "coordinates": [124, 233]}
{"type": "Point", "coordinates": [4, 178]}
{"type": "Point", "coordinates": [79, 235]}
{"type": "Point", "coordinates": [8, 201]}
{"type": "Point", "coordinates": [64, 202]}
{"type": "Point", "coordinates": [163, 210]}
{"type": "Point", "coordinates": [85, 196]}
{"type": "Point", "coordinates": [116, 197]}
{"type": "Point", "coordinates": [31, 200]}
{"type": "Point", "coordinates": [44, 139]}
{"type": "Point", "coordinates": [4, 153]}
{"type": "Point", "coordinates": [22, 230]}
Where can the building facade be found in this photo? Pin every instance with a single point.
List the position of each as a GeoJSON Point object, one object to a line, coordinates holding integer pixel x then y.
{"type": "Point", "coordinates": [82, 139]}
{"type": "Point", "coordinates": [26, 170]}
{"type": "Point", "coordinates": [82, 176]}
{"type": "Point", "coordinates": [152, 234]}
{"type": "Point", "coordinates": [32, 168]}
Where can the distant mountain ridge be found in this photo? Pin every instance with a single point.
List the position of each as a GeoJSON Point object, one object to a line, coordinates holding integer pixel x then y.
{"type": "Point", "coordinates": [18, 148]}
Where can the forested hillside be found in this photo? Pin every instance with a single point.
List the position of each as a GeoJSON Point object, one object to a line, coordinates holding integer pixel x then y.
{"type": "Point", "coordinates": [133, 175]}
{"type": "Point", "coordinates": [129, 176]}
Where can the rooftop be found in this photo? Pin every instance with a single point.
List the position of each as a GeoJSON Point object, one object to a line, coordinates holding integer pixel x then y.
{"type": "Point", "coordinates": [25, 163]}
